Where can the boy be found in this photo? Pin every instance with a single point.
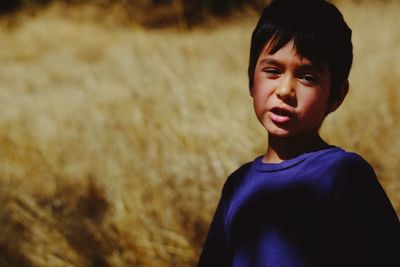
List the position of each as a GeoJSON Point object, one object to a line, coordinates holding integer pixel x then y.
{"type": "Point", "coordinates": [303, 203]}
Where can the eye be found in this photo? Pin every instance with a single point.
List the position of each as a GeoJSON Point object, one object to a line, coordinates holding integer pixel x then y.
{"type": "Point", "coordinates": [309, 79]}
{"type": "Point", "coordinates": [272, 71]}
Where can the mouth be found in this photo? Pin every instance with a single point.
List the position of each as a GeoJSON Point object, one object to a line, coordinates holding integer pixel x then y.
{"type": "Point", "coordinates": [280, 115]}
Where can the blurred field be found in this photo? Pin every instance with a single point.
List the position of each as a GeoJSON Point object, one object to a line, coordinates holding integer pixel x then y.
{"type": "Point", "coordinates": [115, 140]}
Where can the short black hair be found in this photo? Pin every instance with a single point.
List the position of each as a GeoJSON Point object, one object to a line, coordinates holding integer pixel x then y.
{"type": "Point", "coordinates": [318, 31]}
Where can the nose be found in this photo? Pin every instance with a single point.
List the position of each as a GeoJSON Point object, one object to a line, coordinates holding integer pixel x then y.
{"type": "Point", "coordinates": [286, 89]}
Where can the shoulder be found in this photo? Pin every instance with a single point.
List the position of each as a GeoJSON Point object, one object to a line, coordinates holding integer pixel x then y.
{"type": "Point", "coordinates": [354, 178]}
{"type": "Point", "coordinates": [340, 161]}
{"type": "Point", "coordinates": [344, 173]}
{"type": "Point", "coordinates": [235, 178]}
{"type": "Point", "coordinates": [351, 167]}
{"type": "Point", "coordinates": [353, 164]}
{"type": "Point", "coordinates": [335, 165]}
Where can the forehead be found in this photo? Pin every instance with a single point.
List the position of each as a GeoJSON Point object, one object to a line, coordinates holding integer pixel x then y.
{"type": "Point", "coordinates": [289, 51]}
{"type": "Point", "coordinates": [286, 54]}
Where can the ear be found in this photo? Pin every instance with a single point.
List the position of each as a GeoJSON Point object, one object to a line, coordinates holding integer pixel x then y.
{"type": "Point", "coordinates": [342, 94]}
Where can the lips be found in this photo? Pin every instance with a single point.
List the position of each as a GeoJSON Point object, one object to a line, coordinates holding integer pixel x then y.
{"type": "Point", "coordinates": [280, 115]}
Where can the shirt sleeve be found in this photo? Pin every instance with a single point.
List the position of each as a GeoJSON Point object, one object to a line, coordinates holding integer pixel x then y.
{"type": "Point", "coordinates": [216, 251]}
{"type": "Point", "coordinates": [368, 228]}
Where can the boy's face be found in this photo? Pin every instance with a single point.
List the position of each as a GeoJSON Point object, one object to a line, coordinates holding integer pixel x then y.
{"type": "Point", "coordinates": [290, 95]}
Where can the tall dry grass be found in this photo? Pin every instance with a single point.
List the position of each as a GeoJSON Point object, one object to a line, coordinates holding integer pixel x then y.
{"type": "Point", "coordinates": [115, 141]}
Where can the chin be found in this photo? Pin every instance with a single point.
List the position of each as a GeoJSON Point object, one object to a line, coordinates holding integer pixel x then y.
{"type": "Point", "coordinates": [274, 130]}
{"type": "Point", "coordinates": [280, 133]}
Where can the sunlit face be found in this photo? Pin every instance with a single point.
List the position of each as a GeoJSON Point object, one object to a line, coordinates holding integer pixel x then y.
{"type": "Point", "coordinates": [290, 95]}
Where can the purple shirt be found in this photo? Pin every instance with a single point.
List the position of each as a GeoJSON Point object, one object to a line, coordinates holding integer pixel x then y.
{"type": "Point", "coordinates": [322, 208]}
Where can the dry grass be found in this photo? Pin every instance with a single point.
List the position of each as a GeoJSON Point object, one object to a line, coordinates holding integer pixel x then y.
{"type": "Point", "coordinates": [115, 141]}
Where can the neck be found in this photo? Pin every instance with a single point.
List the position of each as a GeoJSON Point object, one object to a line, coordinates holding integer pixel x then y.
{"type": "Point", "coordinates": [284, 148]}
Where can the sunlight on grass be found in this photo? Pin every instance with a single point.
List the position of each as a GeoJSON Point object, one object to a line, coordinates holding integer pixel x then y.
{"type": "Point", "coordinates": [116, 140]}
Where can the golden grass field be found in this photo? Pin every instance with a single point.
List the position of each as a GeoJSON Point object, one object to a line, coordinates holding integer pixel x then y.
{"type": "Point", "coordinates": [115, 140]}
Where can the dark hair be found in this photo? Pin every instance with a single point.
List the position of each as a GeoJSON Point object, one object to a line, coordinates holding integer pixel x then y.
{"type": "Point", "coordinates": [318, 30]}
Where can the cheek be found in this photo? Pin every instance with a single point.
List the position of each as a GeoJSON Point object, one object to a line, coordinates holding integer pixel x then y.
{"type": "Point", "coordinates": [258, 101]}
{"type": "Point", "coordinates": [260, 93]}
{"type": "Point", "coordinates": [261, 87]}
{"type": "Point", "coordinates": [314, 104]}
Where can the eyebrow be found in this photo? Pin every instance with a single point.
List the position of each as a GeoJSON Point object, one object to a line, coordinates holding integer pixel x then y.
{"type": "Point", "coordinates": [270, 61]}
{"type": "Point", "coordinates": [306, 67]}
